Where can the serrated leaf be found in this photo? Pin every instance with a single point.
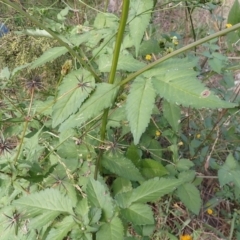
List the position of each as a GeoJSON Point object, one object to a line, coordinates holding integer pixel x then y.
{"type": "Point", "coordinates": [43, 219]}
{"type": "Point", "coordinates": [172, 113]}
{"type": "Point", "coordinates": [184, 164]}
{"type": "Point", "coordinates": [190, 196]}
{"type": "Point", "coordinates": [46, 200]}
{"type": "Point", "coordinates": [99, 197]}
{"type": "Point", "coordinates": [121, 185]}
{"type": "Point", "coordinates": [229, 171]}
{"type": "Point", "coordinates": [174, 80]}
{"type": "Point", "coordinates": [231, 163]}
{"type": "Point", "coordinates": [102, 98]}
{"type": "Point", "coordinates": [71, 96]}
{"type": "Point", "coordinates": [82, 210]}
{"type": "Point", "coordinates": [49, 55]}
{"type": "Point", "coordinates": [225, 175]}
{"type": "Point", "coordinates": [121, 166]}
{"type": "Point", "coordinates": [61, 229]}
{"type": "Point", "coordinates": [125, 63]}
{"type": "Point", "coordinates": [139, 214]}
{"type": "Point", "coordinates": [154, 189]}
{"type": "Point", "coordinates": [94, 215]}
{"type": "Point", "coordinates": [123, 199]}
{"type": "Point", "coordinates": [187, 176]}
{"type": "Point", "coordinates": [112, 230]}
{"type": "Point", "coordinates": [140, 102]}
{"type": "Point", "coordinates": [151, 169]}
{"type": "Point", "coordinates": [139, 15]}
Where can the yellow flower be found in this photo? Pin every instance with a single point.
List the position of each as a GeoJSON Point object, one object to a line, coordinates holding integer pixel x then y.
{"type": "Point", "coordinates": [148, 57]}
{"type": "Point", "coordinates": [198, 135]}
{"type": "Point", "coordinates": [228, 25]}
{"type": "Point", "coordinates": [180, 144]}
{"type": "Point", "coordinates": [209, 211]}
{"type": "Point", "coordinates": [157, 133]}
{"type": "Point", "coordinates": [175, 40]}
{"type": "Point", "coordinates": [185, 237]}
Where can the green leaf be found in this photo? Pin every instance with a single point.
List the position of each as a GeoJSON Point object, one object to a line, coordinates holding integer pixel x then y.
{"type": "Point", "coordinates": [123, 199]}
{"type": "Point", "coordinates": [61, 229]}
{"type": "Point", "coordinates": [139, 214]}
{"type": "Point", "coordinates": [174, 80]}
{"type": "Point", "coordinates": [102, 98]}
{"type": "Point", "coordinates": [121, 166]}
{"type": "Point", "coordinates": [184, 164]}
{"type": "Point", "coordinates": [148, 47]}
{"type": "Point", "coordinates": [172, 113]}
{"type": "Point", "coordinates": [43, 219]}
{"type": "Point", "coordinates": [190, 196]}
{"type": "Point", "coordinates": [225, 175]}
{"type": "Point", "coordinates": [62, 15]}
{"type": "Point", "coordinates": [46, 200]}
{"type": "Point", "coordinates": [125, 63]}
{"type": "Point", "coordinates": [134, 154]}
{"type": "Point", "coordinates": [98, 196]}
{"type": "Point", "coordinates": [234, 13]}
{"type": "Point", "coordinates": [94, 215]}
{"type": "Point", "coordinates": [139, 106]}
{"type": "Point", "coordinates": [49, 55]}
{"type": "Point", "coordinates": [151, 169]}
{"type": "Point", "coordinates": [5, 74]}
{"type": "Point", "coordinates": [139, 16]}
{"type": "Point", "coordinates": [187, 176]}
{"type": "Point", "coordinates": [154, 189]}
{"type": "Point", "coordinates": [71, 96]}
{"type": "Point", "coordinates": [229, 172]}
{"type": "Point", "coordinates": [112, 230]}
{"type": "Point", "coordinates": [121, 185]}
{"type": "Point", "coordinates": [82, 210]}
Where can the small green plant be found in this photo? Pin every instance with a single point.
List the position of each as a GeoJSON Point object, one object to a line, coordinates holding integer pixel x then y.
{"type": "Point", "coordinates": [88, 157]}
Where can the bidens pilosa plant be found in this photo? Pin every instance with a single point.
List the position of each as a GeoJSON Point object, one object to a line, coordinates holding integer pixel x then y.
{"type": "Point", "coordinates": [89, 157]}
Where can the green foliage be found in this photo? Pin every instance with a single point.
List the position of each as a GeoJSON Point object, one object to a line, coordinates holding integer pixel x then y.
{"type": "Point", "coordinates": [96, 153]}
{"type": "Point", "coordinates": [139, 16]}
{"type": "Point", "coordinates": [190, 196]}
{"type": "Point", "coordinates": [139, 106]}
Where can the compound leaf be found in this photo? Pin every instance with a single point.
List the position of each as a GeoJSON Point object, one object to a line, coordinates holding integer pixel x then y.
{"type": "Point", "coordinates": [175, 80]}
{"type": "Point", "coordinates": [102, 98]}
{"type": "Point", "coordinates": [71, 96]}
{"type": "Point", "coordinates": [46, 200]}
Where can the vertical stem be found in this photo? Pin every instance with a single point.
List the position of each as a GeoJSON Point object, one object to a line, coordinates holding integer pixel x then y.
{"type": "Point", "coordinates": [122, 24]}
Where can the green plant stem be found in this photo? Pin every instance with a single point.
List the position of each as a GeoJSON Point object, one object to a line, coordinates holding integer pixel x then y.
{"type": "Point", "coordinates": [54, 35]}
{"type": "Point", "coordinates": [179, 51]}
{"type": "Point", "coordinates": [122, 24]}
